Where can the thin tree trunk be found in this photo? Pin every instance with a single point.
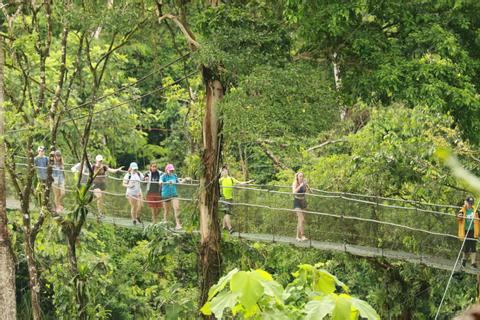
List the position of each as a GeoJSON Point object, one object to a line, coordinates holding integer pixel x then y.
{"type": "Point", "coordinates": [77, 281]}
{"type": "Point", "coordinates": [210, 258]}
{"type": "Point", "coordinates": [7, 268]}
{"type": "Point", "coordinates": [33, 275]}
{"type": "Point", "coordinates": [243, 161]}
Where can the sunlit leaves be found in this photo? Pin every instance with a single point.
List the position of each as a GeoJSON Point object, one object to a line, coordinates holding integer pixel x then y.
{"type": "Point", "coordinates": [254, 294]}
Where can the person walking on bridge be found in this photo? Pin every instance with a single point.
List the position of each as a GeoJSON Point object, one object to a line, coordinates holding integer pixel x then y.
{"type": "Point", "coordinates": [169, 182]}
{"type": "Point", "coordinates": [132, 182]}
{"type": "Point", "coordinates": [299, 188]}
{"type": "Point", "coordinates": [41, 164]}
{"type": "Point", "coordinates": [99, 182]}
{"type": "Point", "coordinates": [58, 184]}
{"type": "Point", "coordinates": [154, 198]}
{"type": "Point", "coordinates": [227, 183]}
{"type": "Point", "coordinates": [468, 226]}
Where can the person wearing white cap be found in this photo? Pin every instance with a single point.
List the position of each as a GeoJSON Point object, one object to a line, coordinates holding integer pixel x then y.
{"type": "Point", "coordinates": [132, 182]}
{"type": "Point", "coordinates": [99, 182]}
{"type": "Point", "coordinates": [41, 164]}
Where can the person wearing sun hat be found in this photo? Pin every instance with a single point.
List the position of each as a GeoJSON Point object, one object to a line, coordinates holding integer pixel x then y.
{"type": "Point", "coordinates": [169, 181]}
{"type": "Point", "coordinates": [132, 181]}
{"type": "Point", "coordinates": [468, 226]}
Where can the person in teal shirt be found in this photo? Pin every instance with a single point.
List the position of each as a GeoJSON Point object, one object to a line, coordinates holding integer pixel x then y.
{"type": "Point", "coordinates": [169, 182]}
{"type": "Point", "coordinates": [468, 227]}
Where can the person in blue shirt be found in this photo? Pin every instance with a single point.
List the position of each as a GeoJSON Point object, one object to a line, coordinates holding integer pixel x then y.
{"type": "Point", "coordinates": [169, 181]}
{"type": "Point", "coordinates": [41, 164]}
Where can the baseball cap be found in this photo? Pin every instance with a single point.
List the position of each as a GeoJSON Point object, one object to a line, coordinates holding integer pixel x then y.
{"type": "Point", "coordinates": [134, 166]}
{"type": "Point", "coordinates": [169, 167]}
{"type": "Point", "coordinates": [99, 157]}
{"type": "Point", "coordinates": [470, 200]}
{"type": "Point", "coordinates": [41, 148]}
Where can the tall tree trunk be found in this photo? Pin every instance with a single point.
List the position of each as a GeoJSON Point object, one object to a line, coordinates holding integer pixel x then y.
{"type": "Point", "coordinates": [7, 268]}
{"type": "Point", "coordinates": [210, 258]}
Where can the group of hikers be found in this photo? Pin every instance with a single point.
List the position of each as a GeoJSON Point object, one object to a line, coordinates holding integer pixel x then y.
{"type": "Point", "coordinates": [161, 189]}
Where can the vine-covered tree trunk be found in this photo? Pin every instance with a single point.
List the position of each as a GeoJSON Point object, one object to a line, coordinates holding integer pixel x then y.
{"type": "Point", "coordinates": [79, 284]}
{"type": "Point", "coordinates": [210, 258]}
{"type": "Point", "coordinates": [7, 267]}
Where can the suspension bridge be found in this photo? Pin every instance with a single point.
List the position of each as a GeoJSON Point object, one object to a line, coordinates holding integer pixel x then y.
{"type": "Point", "coordinates": [361, 225]}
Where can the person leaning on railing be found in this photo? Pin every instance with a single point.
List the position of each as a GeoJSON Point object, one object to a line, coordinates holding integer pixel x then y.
{"type": "Point", "coordinates": [227, 183]}
{"type": "Point", "coordinates": [299, 188]}
{"type": "Point", "coordinates": [468, 226]}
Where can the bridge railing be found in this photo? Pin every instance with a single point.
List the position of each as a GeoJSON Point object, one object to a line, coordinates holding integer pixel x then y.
{"type": "Point", "coordinates": [342, 218]}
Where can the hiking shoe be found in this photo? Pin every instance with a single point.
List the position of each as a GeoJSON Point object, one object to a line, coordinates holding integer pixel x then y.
{"type": "Point", "coordinates": [164, 222]}
{"type": "Point", "coordinates": [178, 228]}
{"type": "Point", "coordinates": [464, 262]}
{"type": "Point", "coordinates": [231, 230]}
{"type": "Point", "coordinates": [134, 222]}
{"type": "Point", "coordinates": [474, 265]}
{"type": "Point", "coordinates": [139, 221]}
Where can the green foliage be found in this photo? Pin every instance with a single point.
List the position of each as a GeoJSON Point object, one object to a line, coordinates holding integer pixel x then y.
{"type": "Point", "coordinates": [311, 295]}
{"type": "Point", "coordinates": [393, 155]}
{"type": "Point", "coordinates": [237, 38]}
{"type": "Point", "coordinates": [387, 52]}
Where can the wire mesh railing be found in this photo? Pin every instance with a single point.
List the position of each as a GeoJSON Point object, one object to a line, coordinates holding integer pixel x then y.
{"type": "Point", "coordinates": [348, 219]}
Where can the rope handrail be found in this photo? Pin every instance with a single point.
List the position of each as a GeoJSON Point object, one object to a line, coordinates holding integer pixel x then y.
{"type": "Point", "coordinates": [346, 217]}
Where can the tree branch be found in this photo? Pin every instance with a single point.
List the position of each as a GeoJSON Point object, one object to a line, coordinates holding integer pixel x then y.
{"type": "Point", "coordinates": [191, 41]}
{"type": "Point", "coordinates": [276, 161]}
{"type": "Point", "coordinates": [323, 144]}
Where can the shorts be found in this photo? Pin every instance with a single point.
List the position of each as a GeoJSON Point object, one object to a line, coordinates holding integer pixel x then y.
{"type": "Point", "coordinates": [101, 186]}
{"type": "Point", "coordinates": [137, 196]}
{"type": "Point", "coordinates": [226, 206]}
{"type": "Point", "coordinates": [299, 203]}
{"type": "Point", "coordinates": [470, 245]}
{"type": "Point", "coordinates": [154, 200]}
{"type": "Point", "coordinates": [59, 185]}
{"type": "Point", "coordinates": [167, 199]}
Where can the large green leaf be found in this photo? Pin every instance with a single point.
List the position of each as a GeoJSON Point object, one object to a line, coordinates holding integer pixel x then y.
{"type": "Point", "coordinates": [318, 309]}
{"type": "Point", "coordinates": [343, 307]}
{"type": "Point", "coordinates": [270, 286]}
{"type": "Point", "coordinates": [249, 288]}
{"type": "Point", "coordinates": [365, 310]}
{"type": "Point", "coordinates": [221, 284]}
{"type": "Point", "coordinates": [222, 301]}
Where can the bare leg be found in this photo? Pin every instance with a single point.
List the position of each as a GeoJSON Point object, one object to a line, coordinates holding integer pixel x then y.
{"type": "Point", "coordinates": [133, 203]}
{"type": "Point", "coordinates": [155, 214]}
{"type": "Point", "coordinates": [166, 205]}
{"type": "Point", "coordinates": [300, 224]}
{"type": "Point", "coordinates": [100, 205]}
{"type": "Point", "coordinates": [176, 211]}
{"type": "Point", "coordinates": [227, 222]}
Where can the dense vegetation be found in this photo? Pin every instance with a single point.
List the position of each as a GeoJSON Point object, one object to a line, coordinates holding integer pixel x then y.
{"type": "Point", "coordinates": [358, 94]}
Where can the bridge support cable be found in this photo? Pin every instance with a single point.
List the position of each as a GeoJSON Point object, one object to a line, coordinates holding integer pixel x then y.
{"type": "Point", "coordinates": [454, 266]}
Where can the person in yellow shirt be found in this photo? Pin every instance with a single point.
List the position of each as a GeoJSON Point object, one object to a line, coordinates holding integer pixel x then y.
{"type": "Point", "coordinates": [468, 226]}
{"type": "Point", "coordinates": [227, 184]}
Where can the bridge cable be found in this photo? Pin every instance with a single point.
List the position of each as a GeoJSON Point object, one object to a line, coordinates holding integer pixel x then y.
{"type": "Point", "coordinates": [455, 265]}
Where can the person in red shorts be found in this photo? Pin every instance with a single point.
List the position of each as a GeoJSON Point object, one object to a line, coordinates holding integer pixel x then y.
{"type": "Point", "coordinates": [154, 197]}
